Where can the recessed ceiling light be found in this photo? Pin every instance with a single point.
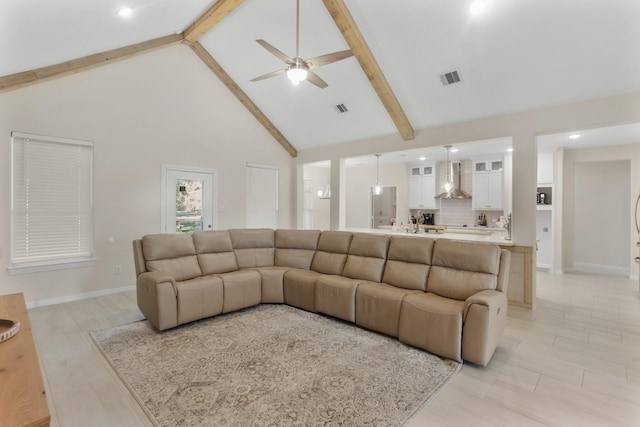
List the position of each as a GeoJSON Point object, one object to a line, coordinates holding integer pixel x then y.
{"type": "Point", "coordinates": [125, 12]}
{"type": "Point", "coordinates": [476, 7]}
{"type": "Point", "coordinates": [454, 150]}
{"type": "Point", "coordinates": [574, 136]}
{"type": "Point", "coordinates": [509, 150]}
{"type": "Point", "coordinates": [422, 158]}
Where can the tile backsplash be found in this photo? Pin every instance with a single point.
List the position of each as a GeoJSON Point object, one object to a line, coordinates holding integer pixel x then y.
{"type": "Point", "coordinates": [458, 212]}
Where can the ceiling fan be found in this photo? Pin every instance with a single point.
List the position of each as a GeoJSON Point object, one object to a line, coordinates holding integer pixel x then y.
{"type": "Point", "coordinates": [299, 69]}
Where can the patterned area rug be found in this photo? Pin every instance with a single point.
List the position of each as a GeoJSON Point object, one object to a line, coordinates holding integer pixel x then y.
{"type": "Point", "coordinates": [272, 365]}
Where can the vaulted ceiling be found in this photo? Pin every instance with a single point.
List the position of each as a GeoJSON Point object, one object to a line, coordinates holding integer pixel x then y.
{"type": "Point", "coordinates": [517, 55]}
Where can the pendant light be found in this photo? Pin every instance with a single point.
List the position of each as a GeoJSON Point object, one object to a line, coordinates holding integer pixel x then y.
{"type": "Point", "coordinates": [377, 190]}
{"type": "Point", "coordinates": [448, 183]}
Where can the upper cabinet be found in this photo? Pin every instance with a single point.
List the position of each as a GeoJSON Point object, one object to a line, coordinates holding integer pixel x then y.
{"type": "Point", "coordinates": [422, 186]}
{"type": "Point", "coordinates": [488, 184]}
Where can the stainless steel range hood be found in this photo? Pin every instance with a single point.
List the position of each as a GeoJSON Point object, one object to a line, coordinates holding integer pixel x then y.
{"type": "Point", "coordinates": [456, 192]}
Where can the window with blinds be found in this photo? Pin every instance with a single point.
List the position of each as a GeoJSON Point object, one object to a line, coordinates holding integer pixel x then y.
{"type": "Point", "coordinates": [51, 201]}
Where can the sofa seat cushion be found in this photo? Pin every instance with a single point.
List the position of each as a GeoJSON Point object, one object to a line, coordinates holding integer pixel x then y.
{"type": "Point", "coordinates": [432, 323]}
{"type": "Point", "coordinates": [378, 306]}
{"type": "Point", "coordinates": [272, 279]}
{"type": "Point", "coordinates": [242, 289]}
{"type": "Point", "coordinates": [336, 296]}
{"type": "Point", "coordinates": [199, 298]}
{"type": "Point", "coordinates": [299, 288]}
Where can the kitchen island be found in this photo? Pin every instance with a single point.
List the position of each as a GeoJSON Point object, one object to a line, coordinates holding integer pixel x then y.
{"type": "Point", "coordinates": [520, 289]}
{"type": "Point", "coordinates": [469, 234]}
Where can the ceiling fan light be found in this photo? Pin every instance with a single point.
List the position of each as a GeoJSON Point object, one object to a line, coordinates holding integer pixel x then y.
{"type": "Point", "coordinates": [297, 75]}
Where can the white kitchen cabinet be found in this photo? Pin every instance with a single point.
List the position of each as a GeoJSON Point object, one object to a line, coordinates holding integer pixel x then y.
{"type": "Point", "coordinates": [422, 186]}
{"type": "Point", "coordinates": [488, 185]}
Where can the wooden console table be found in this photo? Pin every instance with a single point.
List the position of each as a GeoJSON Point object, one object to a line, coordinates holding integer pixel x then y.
{"type": "Point", "coordinates": [23, 401]}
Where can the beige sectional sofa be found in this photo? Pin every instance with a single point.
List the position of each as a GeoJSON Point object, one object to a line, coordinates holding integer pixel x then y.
{"type": "Point", "coordinates": [444, 296]}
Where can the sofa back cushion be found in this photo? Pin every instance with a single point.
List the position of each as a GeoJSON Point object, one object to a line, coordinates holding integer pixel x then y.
{"type": "Point", "coordinates": [171, 254]}
{"type": "Point", "coordinates": [254, 247]}
{"type": "Point", "coordinates": [331, 254]}
{"type": "Point", "coordinates": [408, 262]}
{"type": "Point", "coordinates": [215, 252]}
{"type": "Point", "coordinates": [460, 269]}
{"type": "Point", "coordinates": [295, 248]}
{"type": "Point", "coordinates": [366, 258]}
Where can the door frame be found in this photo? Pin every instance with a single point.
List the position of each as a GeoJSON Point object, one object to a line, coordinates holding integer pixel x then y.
{"type": "Point", "coordinates": [187, 169]}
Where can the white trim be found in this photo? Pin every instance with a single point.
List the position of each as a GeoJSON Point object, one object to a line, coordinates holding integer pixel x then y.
{"type": "Point", "coordinates": [78, 297]}
{"type": "Point", "coordinates": [50, 266]}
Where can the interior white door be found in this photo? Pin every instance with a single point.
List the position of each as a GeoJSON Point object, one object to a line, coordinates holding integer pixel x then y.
{"type": "Point", "coordinates": [262, 196]}
{"type": "Point", "coordinates": [188, 196]}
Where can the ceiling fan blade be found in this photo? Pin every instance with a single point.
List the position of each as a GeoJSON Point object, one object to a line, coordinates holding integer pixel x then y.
{"type": "Point", "coordinates": [329, 58]}
{"type": "Point", "coordinates": [271, 74]}
{"type": "Point", "coordinates": [316, 80]}
{"type": "Point", "coordinates": [275, 51]}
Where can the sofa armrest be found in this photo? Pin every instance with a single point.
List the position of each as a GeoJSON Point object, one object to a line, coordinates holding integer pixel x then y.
{"type": "Point", "coordinates": [496, 301]}
{"type": "Point", "coordinates": [156, 294]}
{"type": "Point", "coordinates": [484, 319]}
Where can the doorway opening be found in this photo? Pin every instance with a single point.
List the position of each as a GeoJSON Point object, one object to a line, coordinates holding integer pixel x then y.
{"type": "Point", "coordinates": [383, 208]}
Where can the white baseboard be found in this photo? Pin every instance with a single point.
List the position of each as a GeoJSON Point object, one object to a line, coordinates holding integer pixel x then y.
{"type": "Point", "coordinates": [610, 270]}
{"type": "Point", "coordinates": [78, 297]}
{"type": "Point", "coordinates": [543, 266]}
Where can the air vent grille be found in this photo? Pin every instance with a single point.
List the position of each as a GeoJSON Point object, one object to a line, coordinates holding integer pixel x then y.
{"type": "Point", "coordinates": [341, 108]}
{"type": "Point", "coordinates": [450, 78]}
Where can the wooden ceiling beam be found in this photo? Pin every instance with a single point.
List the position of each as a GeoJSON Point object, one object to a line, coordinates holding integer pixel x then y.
{"type": "Point", "coordinates": [358, 45]}
{"type": "Point", "coordinates": [38, 75]}
{"type": "Point", "coordinates": [242, 97]}
{"type": "Point", "coordinates": [210, 18]}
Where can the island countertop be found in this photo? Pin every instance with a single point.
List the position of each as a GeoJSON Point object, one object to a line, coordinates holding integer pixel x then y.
{"type": "Point", "coordinates": [487, 235]}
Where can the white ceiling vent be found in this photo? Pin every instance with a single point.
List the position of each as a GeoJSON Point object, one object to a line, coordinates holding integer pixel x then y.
{"type": "Point", "coordinates": [341, 108]}
{"type": "Point", "coordinates": [450, 78]}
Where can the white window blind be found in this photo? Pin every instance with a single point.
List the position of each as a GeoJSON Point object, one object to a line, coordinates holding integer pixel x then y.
{"type": "Point", "coordinates": [52, 201]}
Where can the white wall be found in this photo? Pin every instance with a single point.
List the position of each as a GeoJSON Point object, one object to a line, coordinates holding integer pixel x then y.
{"type": "Point", "coordinates": [545, 167]}
{"type": "Point", "coordinates": [571, 211]}
{"type": "Point", "coordinates": [601, 200]}
{"type": "Point", "coordinates": [164, 107]}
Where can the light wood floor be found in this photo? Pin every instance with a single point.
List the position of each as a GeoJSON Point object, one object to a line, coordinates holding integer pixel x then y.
{"type": "Point", "coordinates": [575, 361]}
